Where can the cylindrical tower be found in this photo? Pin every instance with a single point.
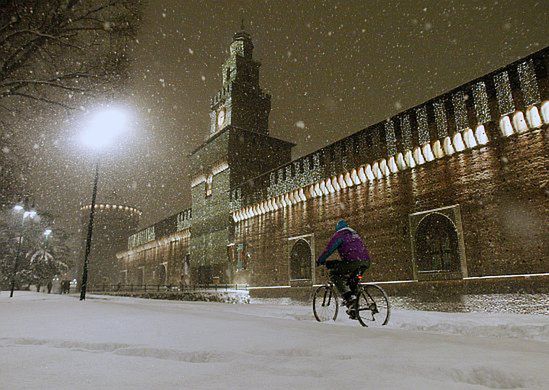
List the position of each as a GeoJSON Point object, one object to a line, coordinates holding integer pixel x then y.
{"type": "Point", "coordinates": [112, 225]}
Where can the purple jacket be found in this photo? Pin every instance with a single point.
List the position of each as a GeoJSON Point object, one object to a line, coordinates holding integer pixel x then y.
{"type": "Point", "coordinates": [349, 245]}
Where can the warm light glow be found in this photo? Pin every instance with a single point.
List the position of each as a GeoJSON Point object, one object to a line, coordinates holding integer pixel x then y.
{"type": "Point", "coordinates": [376, 171]}
{"type": "Point", "coordinates": [289, 201]}
{"type": "Point", "coordinates": [392, 165]}
{"type": "Point", "coordinates": [317, 190]}
{"type": "Point", "coordinates": [400, 162]}
{"type": "Point", "coordinates": [330, 186]}
{"type": "Point", "coordinates": [335, 184]}
{"type": "Point", "coordinates": [362, 175]}
{"type": "Point", "coordinates": [437, 149]}
{"type": "Point", "coordinates": [505, 126]}
{"type": "Point", "coordinates": [545, 111]}
{"type": "Point", "coordinates": [291, 197]}
{"type": "Point", "coordinates": [533, 118]}
{"type": "Point", "coordinates": [480, 134]}
{"type": "Point", "coordinates": [519, 123]}
{"type": "Point", "coordinates": [469, 138]}
{"type": "Point", "coordinates": [341, 182]}
{"type": "Point", "coordinates": [418, 156]}
{"type": "Point", "coordinates": [409, 159]}
{"type": "Point", "coordinates": [448, 148]}
{"type": "Point", "coordinates": [104, 127]}
{"type": "Point", "coordinates": [458, 142]}
{"type": "Point", "coordinates": [428, 152]}
{"type": "Point", "coordinates": [348, 180]}
{"type": "Point", "coordinates": [369, 173]}
{"type": "Point", "coordinates": [384, 168]}
{"type": "Point", "coordinates": [355, 177]}
{"type": "Point", "coordinates": [323, 188]}
{"type": "Point", "coordinates": [286, 199]}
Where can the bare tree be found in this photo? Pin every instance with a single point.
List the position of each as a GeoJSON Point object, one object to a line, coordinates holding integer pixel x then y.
{"type": "Point", "coordinates": [53, 53]}
{"type": "Point", "coordinates": [52, 50]}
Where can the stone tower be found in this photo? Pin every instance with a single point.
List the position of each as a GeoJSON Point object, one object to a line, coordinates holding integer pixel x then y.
{"type": "Point", "coordinates": [112, 223]}
{"type": "Point", "coordinates": [237, 149]}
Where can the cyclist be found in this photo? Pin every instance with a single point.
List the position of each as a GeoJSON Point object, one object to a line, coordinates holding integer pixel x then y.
{"type": "Point", "coordinates": [354, 256]}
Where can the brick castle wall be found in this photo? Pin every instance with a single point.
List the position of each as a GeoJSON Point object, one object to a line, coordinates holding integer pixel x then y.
{"type": "Point", "coordinates": [475, 158]}
{"type": "Point", "coordinates": [499, 188]}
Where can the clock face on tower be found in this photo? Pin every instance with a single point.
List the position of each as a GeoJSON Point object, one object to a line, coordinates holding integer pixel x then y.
{"type": "Point", "coordinates": [220, 117]}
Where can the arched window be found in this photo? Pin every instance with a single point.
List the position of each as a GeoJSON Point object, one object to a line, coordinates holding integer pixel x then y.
{"type": "Point", "coordinates": [300, 260]}
{"type": "Point", "coordinates": [437, 244]}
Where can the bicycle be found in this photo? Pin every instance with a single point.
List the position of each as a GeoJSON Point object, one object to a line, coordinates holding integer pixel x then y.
{"type": "Point", "coordinates": [372, 305]}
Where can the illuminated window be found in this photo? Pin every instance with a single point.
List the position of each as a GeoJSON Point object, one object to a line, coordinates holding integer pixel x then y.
{"type": "Point", "coordinates": [209, 181]}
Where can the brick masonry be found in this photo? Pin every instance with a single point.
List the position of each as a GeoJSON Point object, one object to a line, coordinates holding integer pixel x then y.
{"type": "Point", "coordinates": [472, 162]}
{"type": "Point", "coordinates": [500, 189]}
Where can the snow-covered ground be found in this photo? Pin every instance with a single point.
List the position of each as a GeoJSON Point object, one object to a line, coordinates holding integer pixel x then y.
{"type": "Point", "coordinates": [58, 342]}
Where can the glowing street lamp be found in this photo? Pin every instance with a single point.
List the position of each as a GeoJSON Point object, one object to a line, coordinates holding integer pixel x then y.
{"type": "Point", "coordinates": [27, 214]}
{"type": "Point", "coordinates": [99, 134]}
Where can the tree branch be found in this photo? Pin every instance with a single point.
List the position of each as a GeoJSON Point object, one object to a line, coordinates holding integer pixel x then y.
{"type": "Point", "coordinates": [43, 100]}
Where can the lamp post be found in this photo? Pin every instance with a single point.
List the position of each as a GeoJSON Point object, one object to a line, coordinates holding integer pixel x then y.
{"type": "Point", "coordinates": [103, 128]}
{"type": "Point", "coordinates": [31, 213]}
{"type": "Point", "coordinates": [89, 235]}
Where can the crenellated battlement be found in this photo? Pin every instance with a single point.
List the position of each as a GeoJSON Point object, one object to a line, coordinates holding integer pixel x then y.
{"type": "Point", "coordinates": [164, 228]}
{"type": "Point", "coordinates": [508, 101]}
{"type": "Point", "coordinates": [221, 96]}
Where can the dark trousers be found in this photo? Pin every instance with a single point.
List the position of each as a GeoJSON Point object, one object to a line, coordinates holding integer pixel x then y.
{"type": "Point", "coordinates": [344, 275]}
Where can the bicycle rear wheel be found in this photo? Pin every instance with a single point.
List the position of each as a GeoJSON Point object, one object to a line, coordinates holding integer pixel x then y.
{"type": "Point", "coordinates": [325, 304]}
{"type": "Point", "coordinates": [372, 306]}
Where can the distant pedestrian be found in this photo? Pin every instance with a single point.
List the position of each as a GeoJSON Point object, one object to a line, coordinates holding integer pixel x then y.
{"type": "Point", "coordinates": [65, 287]}
{"type": "Point", "coordinates": [50, 285]}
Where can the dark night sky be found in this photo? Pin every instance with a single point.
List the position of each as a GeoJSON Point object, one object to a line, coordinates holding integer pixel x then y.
{"type": "Point", "coordinates": [336, 66]}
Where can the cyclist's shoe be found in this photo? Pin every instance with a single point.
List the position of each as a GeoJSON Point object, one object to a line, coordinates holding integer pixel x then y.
{"type": "Point", "coordinates": [349, 299]}
{"type": "Point", "coordinates": [351, 312]}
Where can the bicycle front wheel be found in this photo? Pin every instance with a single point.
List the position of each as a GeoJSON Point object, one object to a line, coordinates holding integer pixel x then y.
{"type": "Point", "coordinates": [372, 306]}
{"type": "Point", "coordinates": [325, 304]}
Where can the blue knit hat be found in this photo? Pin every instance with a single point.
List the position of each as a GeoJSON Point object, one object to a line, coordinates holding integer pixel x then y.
{"type": "Point", "coordinates": [341, 224]}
